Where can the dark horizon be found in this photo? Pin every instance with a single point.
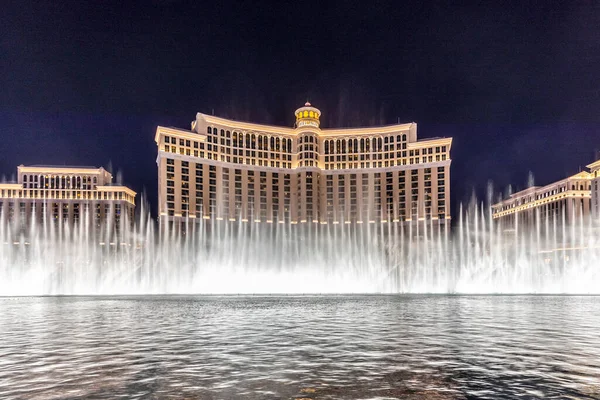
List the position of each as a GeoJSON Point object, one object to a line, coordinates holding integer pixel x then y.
{"type": "Point", "coordinates": [514, 83]}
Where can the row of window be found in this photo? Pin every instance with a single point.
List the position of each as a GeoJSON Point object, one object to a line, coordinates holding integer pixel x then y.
{"type": "Point", "coordinates": [381, 156]}
{"type": "Point", "coordinates": [383, 164]}
{"type": "Point", "coordinates": [563, 208]}
{"type": "Point", "coordinates": [313, 162]}
{"type": "Point", "coordinates": [59, 182]}
{"type": "Point", "coordinates": [363, 145]}
{"type": "Point", "coordinates": [533, 197]}
{"type": "Point", "coordinates": [64, 194]}
{"type": "Point", "coordinates": [199, 167]}
{"type": "Point", "coordinates": [225, 196]}
{"type": "Point", "coordinates": [65, 210]}
{"type": "Point", "coordinates": [332, 146]}
{"type": "Point", "coordinates": [251, 140]}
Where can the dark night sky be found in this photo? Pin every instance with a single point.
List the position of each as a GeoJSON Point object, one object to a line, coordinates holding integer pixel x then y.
{"type": "Point", "coordinates": [515, 83]}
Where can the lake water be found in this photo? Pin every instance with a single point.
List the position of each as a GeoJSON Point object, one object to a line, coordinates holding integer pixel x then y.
{"type": "Point", "coordinates": [311, 347]}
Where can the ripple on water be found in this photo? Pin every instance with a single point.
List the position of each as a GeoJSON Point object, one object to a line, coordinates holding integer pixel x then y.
{"type": "Point", "coordinates": [313, 347]}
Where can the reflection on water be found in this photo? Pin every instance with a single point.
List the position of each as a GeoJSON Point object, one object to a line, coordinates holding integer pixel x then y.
{"type": "Point", "coordinates": [329, 347]}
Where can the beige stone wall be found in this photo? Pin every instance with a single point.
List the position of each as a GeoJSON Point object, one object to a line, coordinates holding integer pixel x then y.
{"type": "Point", "coordinates": [570, 197]}
{"type": "Point", "coordinates": [239, 171]}
{"type": "Point", "coordinates": [66, 195]}
{"type": "Point", "coordinates": [595, 188]}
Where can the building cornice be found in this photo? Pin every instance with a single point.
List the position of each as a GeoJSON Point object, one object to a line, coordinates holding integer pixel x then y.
{"type": "Point", "coordinates": [200, 137]}
{"type": "Point", "coordinates": [540, 189]}
{"type": "Point", "coordinates": [372, 130]}
{"type": "Point", "coordinates": [11, 186]}
{"type": "Point", "coordinates": [248, 126]}
{"type": "Point", "coordinates": [211, 119]}
{"type": "Point", "coordinates": [43, 193]}
{"type": "Point", "coordinates": [536, 203]}
{"type": "Point", "coordinates": [116, 188]}
{"type": "Point", "coordinates": [60, 170]}
{"type": "Point", "coordinates": [111, 188]}
{"type": "Point", "coordinates": [594, 165]}
{"type": "Point", "coordinates": [430, 142]}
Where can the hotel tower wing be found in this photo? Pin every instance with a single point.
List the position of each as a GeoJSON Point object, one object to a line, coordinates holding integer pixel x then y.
{"type": "Point", "coordinates": [229, 170]}
{"type": "Point", "coordinates": [565, 201]}
{"type": "Point", "coordinates": [67, 195]}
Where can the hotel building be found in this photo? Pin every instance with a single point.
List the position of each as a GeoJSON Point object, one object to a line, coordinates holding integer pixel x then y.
{"type": "Point", "coordinates": [595, 177]}
{"type": "Point", "coordinates": [228, 170]}
{"type": "Point", "coordinates": [67, 195]}
{"type": "Point", "coordinates": [569, 198]}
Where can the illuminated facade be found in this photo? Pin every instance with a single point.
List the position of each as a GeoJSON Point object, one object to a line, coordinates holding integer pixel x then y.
{"type": "Point", "coordinates": [595, 177]}
{"type": "Point", "coordinates": [569, 198]}
{"type": "Point", "coordinates": [66, 195]}
{"type": "Point", "coordinates": [229, 170]}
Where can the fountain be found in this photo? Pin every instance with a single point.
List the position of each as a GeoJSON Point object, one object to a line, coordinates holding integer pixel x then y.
{"type": "Point", "coordinates": [475, 256]}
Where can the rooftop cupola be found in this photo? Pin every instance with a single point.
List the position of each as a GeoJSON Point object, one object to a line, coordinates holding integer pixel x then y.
{"type": "Point", "coordinates": [307, 116]}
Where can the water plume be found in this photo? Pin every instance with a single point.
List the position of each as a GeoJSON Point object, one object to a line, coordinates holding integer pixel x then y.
{"type": "Point", "coordinates": [478, 255]}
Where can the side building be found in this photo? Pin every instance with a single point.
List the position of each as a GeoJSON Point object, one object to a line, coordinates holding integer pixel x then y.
{"type": "Point", "coordinates": [236, 171]}
{"type": "Point", "coordinates": [595, 187]}
{"type": "Point", "coordinates": [66, 195]}
{"type": "Point", "coordinates": [565, 201]}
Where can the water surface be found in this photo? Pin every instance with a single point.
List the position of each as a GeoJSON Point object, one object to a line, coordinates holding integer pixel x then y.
{"type": "Point", "coordinates": [312, 347]}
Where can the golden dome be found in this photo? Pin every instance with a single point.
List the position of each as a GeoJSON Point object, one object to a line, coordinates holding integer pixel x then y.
{"type": "Point", "coordinates": [307, 116]}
